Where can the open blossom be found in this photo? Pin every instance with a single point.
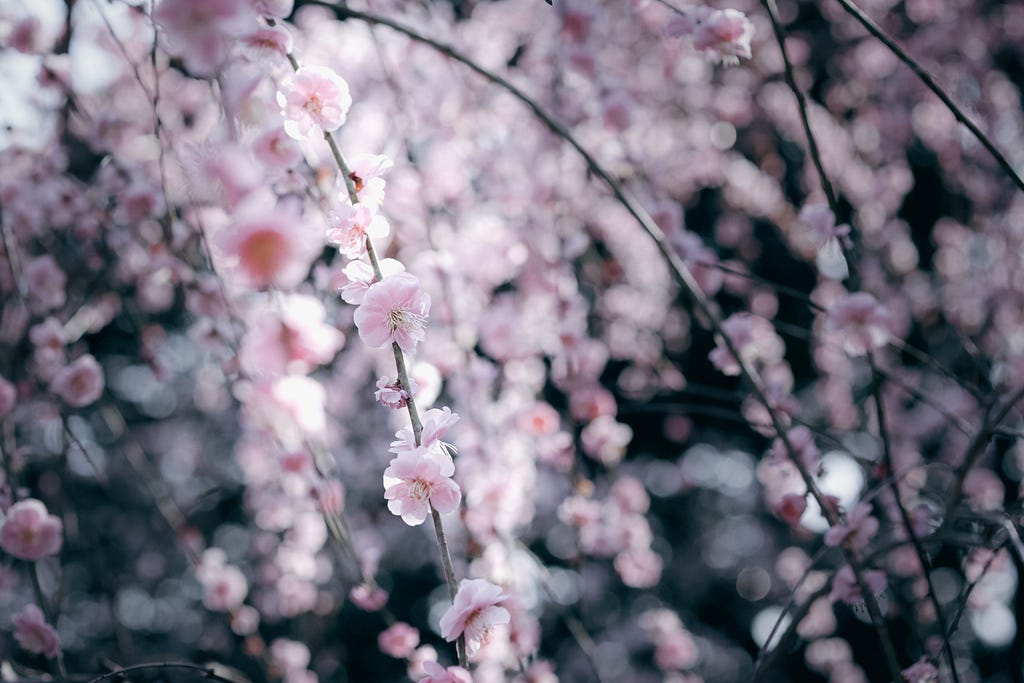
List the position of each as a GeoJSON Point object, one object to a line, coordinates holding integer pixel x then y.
{"type": "Point", "coordinates": [864, 323]}
{"type": "Point", "coordinates": [436, 423]}
{"type": "Point", "coordinates": [474, 613]}
{"type": "Point", "coordinates": [394, 310]}
{"type": "Point", "coordinates": [438, 674]}
{"type": "Point", "coordinates": [30, 532]}
{"type": "Point", "coordinates": [357, 277]}
{"type": "Point", "coordinates": [859, 528]}
{"type": "Point", "coordinates": [293, 340]}
{"type": "Point", "coordinates": [351, 226]}
{"type": "Point", "coordinates": [45, 283]}
{"type": "Point", "coordinates": [268, 245]}
{"type": "Point", "coordinates": [416, 481]}
{"type": "Point", "coordinates": [830, 238]}
{"type": "Point", "coordinates": [724, 36]}
{"type": "Point", "coordinates": [399, 640]}
{"type": "Point", "coordinates": [391, 394]}
{"type": "Point", "coordinates": [34, 634]}
{"type": "Point", "coordinates": [367, 172]}
{"type": "Point", "coordinates": [275, 149]}
{"type": "Point", "coordinates": [754, 339]}
{"type": "Point", "coordinates": [202, 32]}
{"type": "Point", "coordinates": [79, 383]}
{"type": "Point", "coordinates": [801, 440]}
{"type": "Point", "coordinates": [314, 98]}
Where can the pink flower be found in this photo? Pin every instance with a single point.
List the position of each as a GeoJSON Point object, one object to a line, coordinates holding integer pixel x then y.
{"type": "Point", "coordinates": [845, 588]}
{"type": "Point", "coordinates": [201, 32]}
{"type": "Point", "coordinates": [266, 43]}
{"type": "Point", "coordinates": [45, 283]}
{"type": "Point", "coordinates": [292, 341]}
{"type": "Point", "coordinates": [754, 339]}
{"type": "Point", "coordinates": [367, 172]}
{"type": "Point", "coordinates": [30, 532]}
{"type": "Point", "coordinates": [399, 640]}
{"type": "Point", "coordinates": [357, 277]}
{"type": "Point", "coordinates": [858, 529]}
{"type": "Point", "coordinates": [415, 481]}
{"type": "Point", "coordinates": [34, 634]}
{"type": "Point", "coordinates": [274, 149]}
{"type": "Point", "coordinates": [391, 394]}
{"type": "Point", "coordinates": [438, 674]}
{"type": "Point", "coordinates": [314, 97]}
{"type": "Point", "coordinates": [79, 383]}
{"type": "Point", "coordinates": [864, 323]}
{"type": "Point", "coordinates": [368, 598]}
{"type": "Point", "coordinates": [724, 36]}
{"type": "Point", "coordinates": [226, 589]}
{"type": "Point", "coordinates": [394, 310]}
{"type": "Point", "coordinates": [351, 226]}
{"type": "Point", "coordinates": [8, 396]}
{"type": "Point", "coordinates": [436, 423]}
{"type": "Point", "coordinates": [269, 246]}
{"type": "Point", "coordinates": [474, 613]}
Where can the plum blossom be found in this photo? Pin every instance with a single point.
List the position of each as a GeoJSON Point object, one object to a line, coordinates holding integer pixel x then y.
{"type": "Point", "coordinates": [352, 226]}
{"type": "Point", "coordinates": [275, 149]}
{"type": "Point", "coordinates": [438, 674]}
{"type": "Point", "coordinates": [79, 383]}
{"type": "Point", "coordinates": [34, 634]}
{"type": "Point", "coordinates": [357, 277]}
{"type": "Point", "coordinates": [391, 393]}
{"type": "Point", "coordinates": [399, 640]}
{"type": "Point", "coordinates": [831, 239]}
{"type": "Point", "coordinates": [30, 531]}
{"type": "Point", "coordinates": [394, 310]}
{"type": "Point", "coordinates": [367, 172]}
{"type": "Point", "coordinates": [801, 440]}
{"type": "Point", "coordinates": [858, 529]}
{"type": "Point", "coordinates": [754, 338]}
{"type": "Point", "coordinates": [864, 323]}
{"type": "Point", "coordinates": [474, 613]}
{"type": "Point", "coordinates": [845, 588]}
{"type": "Point", "coordinates": [436, 423]}
{"type": "Point", "coordinates": [724, 36]}
{"type": "Point", "coordinates": [45, 283]}
{"type": "Point", "coordinates": [416, 481]}
{"type": "Point", "coordinates": [202, 32]}
{"type": "Point", "coordinates": [268, 246]}
{"type": "Point", "coordinates": [295, 339]}
{"type": "Point", "coordinates": [314, 98]}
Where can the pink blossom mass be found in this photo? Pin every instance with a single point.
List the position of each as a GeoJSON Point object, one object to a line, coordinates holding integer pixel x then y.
{"type": "Point", "coordinates": [511, 341]}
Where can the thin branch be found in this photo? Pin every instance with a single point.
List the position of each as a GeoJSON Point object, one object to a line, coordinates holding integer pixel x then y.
{"type": "Point", "coordinates": [926, 78]}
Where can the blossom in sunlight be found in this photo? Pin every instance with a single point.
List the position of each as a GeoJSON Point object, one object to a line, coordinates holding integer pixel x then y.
{"type": "Point", "coordinates": [352, 226]}
{"type": "Point", "coordinates": [394, 310]}
{"type": "Point", "coordinates": [202, 32]}
{"type": "Point", "coordinates": [34, 634]}
{"type": "Point", "coordinates": [357, 276]}
{"type": "Point", "coordinates": [312, 99]}
{"type": "Point", "coordinates": [724, 36]}
{"type": "Point", "coordinates": [268, 246]}
{"type": "Point", "coordinates": [391, 393]}
{"type": "Point", "coordinates": [31, 532]}
{"type": "Point", "coordinates": [474, 613]}
{"type": "Point", "coordinates": [436, 423]}
{"type": "Point", "coordinates": [416, 481]}
{"type": "Point", "coordinates": [864, 323]}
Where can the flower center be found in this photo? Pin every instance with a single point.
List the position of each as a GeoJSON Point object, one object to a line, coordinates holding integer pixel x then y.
{"type": "Point", "coordinates": [401, 319]}
{"type": "Point", "coordinates": [420, 490]}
